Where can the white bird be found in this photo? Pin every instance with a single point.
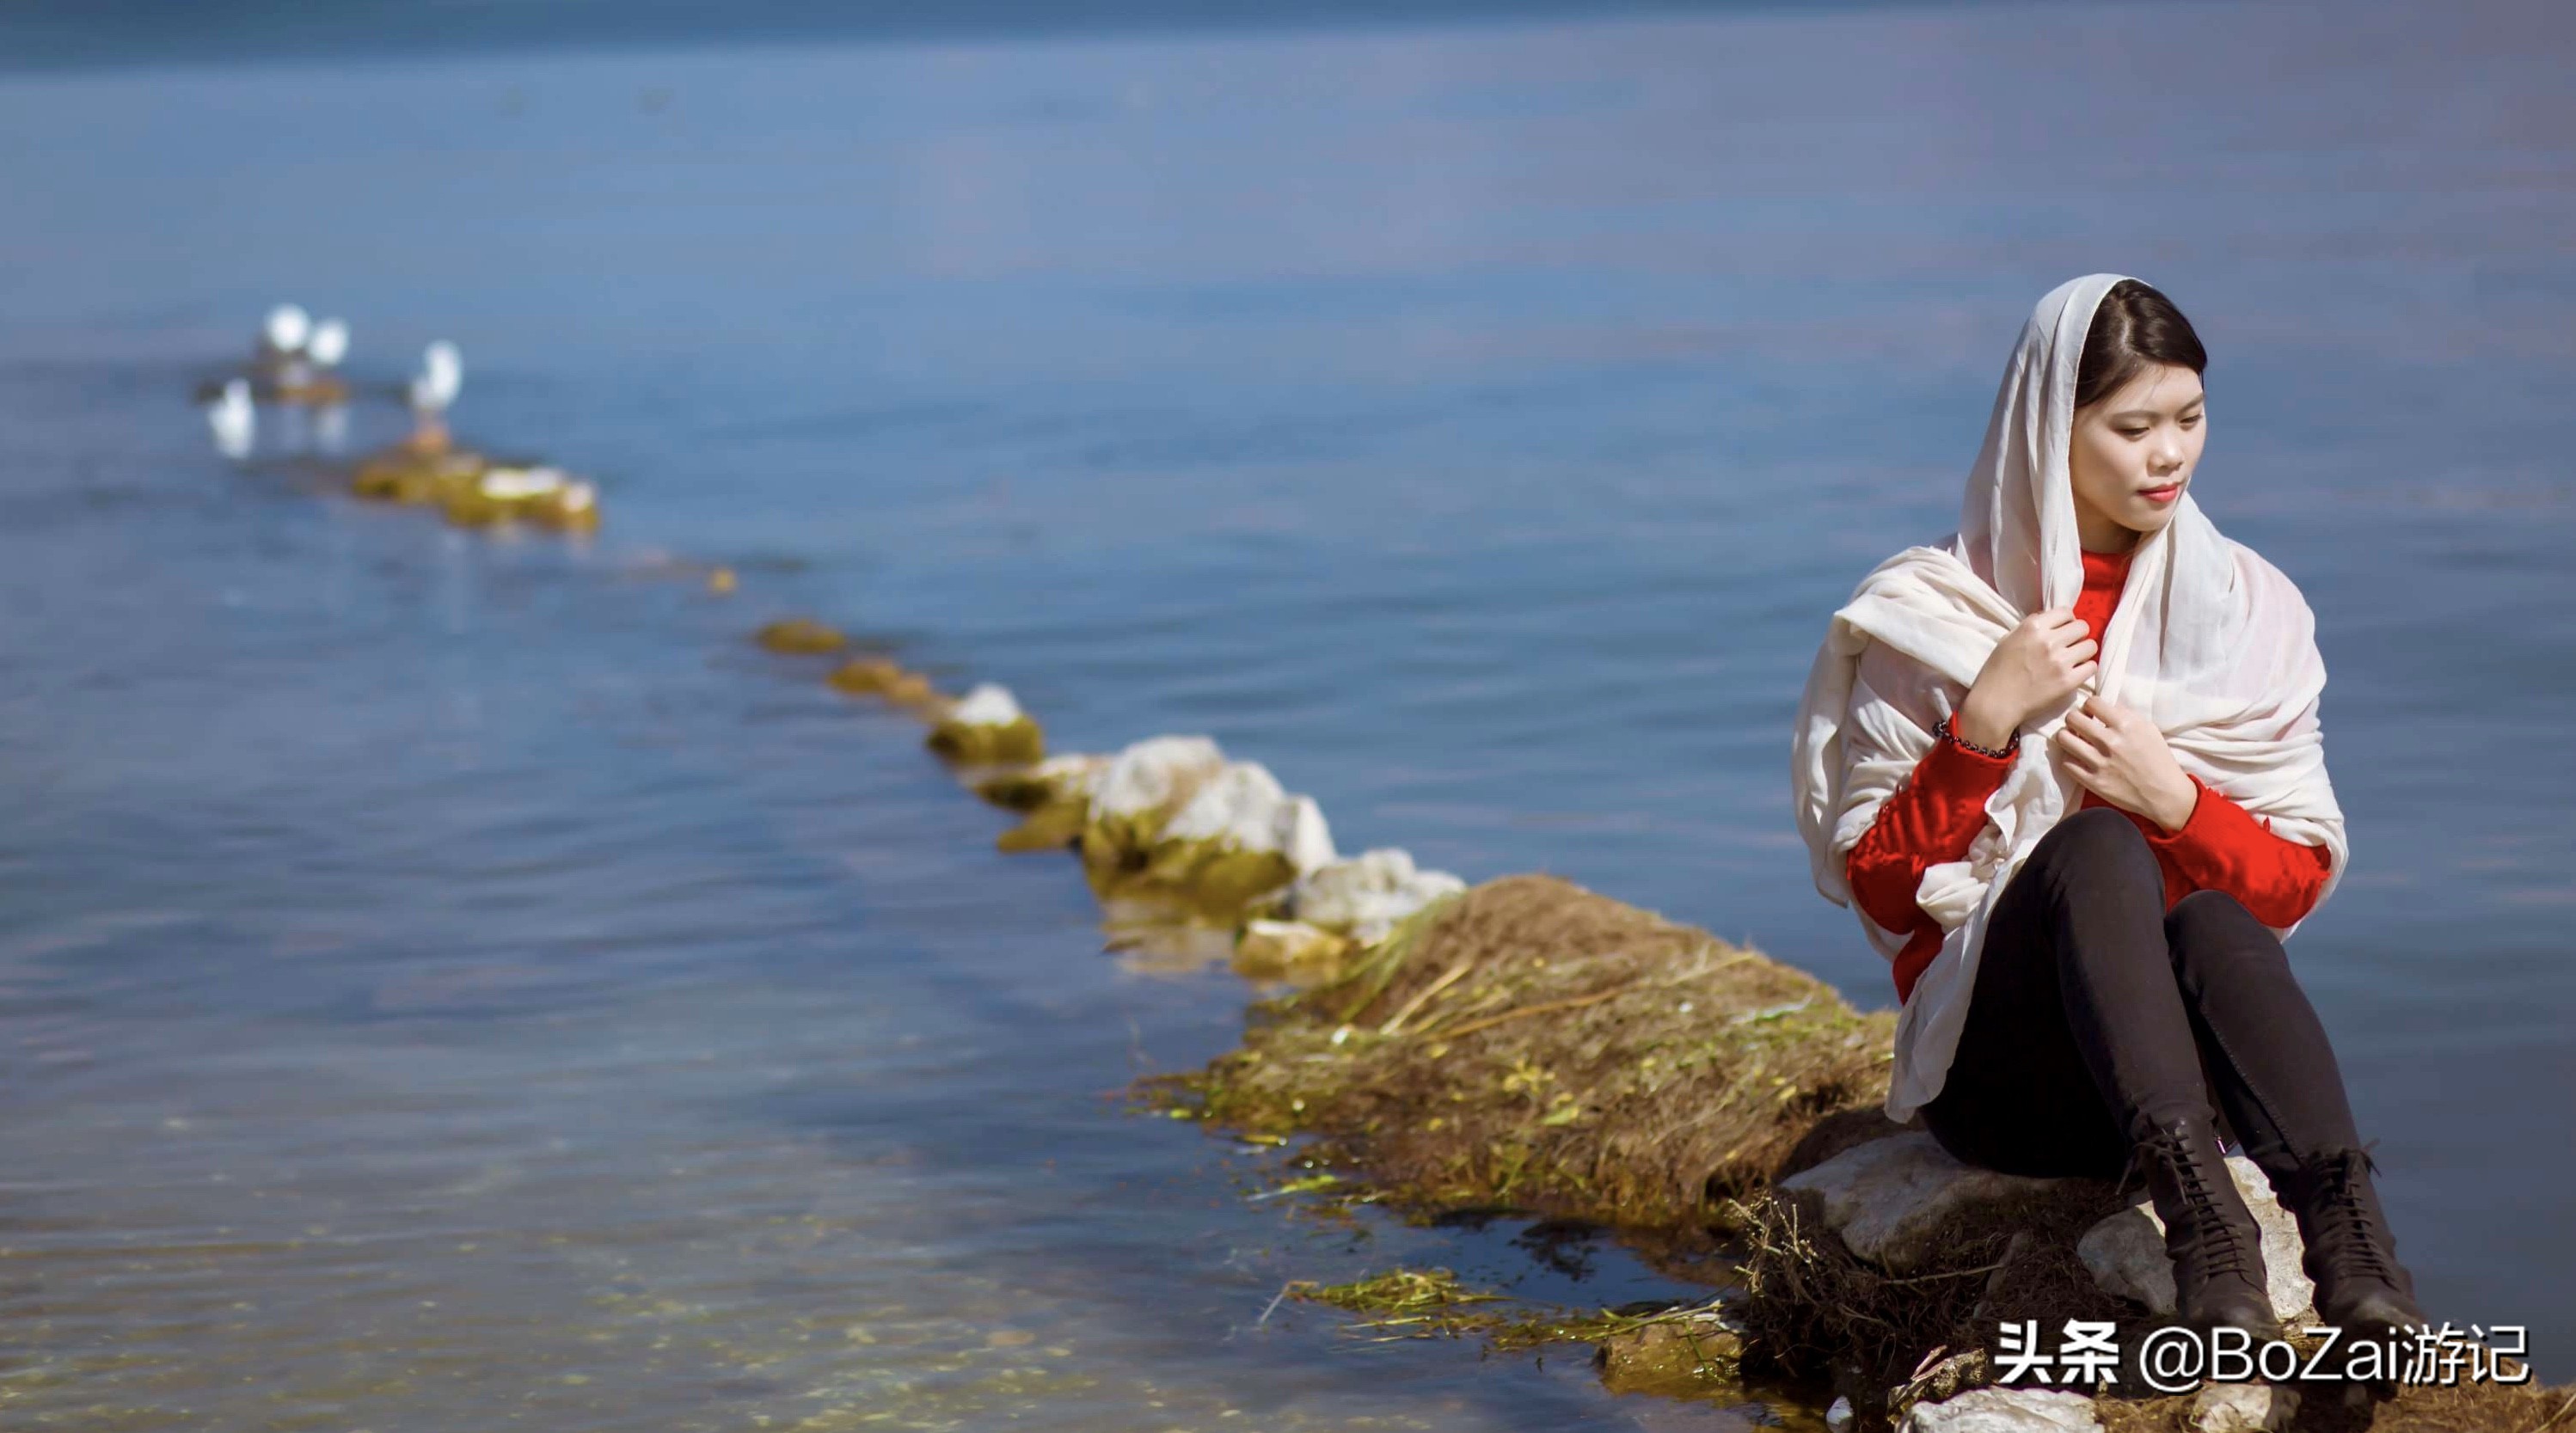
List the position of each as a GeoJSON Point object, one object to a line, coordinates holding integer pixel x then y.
{"type": "Point", "coordinates": [234, 420]}
{"type": "Point", "coordinates": [329, 343]}
{"type": "Point", "coordinates": [288, 328]}
{"type": "Point", "coordinates": [442, 374]}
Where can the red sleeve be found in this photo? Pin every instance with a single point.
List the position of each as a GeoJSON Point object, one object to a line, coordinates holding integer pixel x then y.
{"type": "Point", "coordinates": [2224, 847]}
{"type": "Point", "coordinates": [1932, 818]}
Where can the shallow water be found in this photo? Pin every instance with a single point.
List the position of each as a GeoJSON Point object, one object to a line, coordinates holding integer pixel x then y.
{"type": "Point", "coordinates": [451, 979]}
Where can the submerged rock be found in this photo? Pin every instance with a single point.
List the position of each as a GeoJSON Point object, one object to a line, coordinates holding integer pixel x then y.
{"type": "Point", "coordinates": [1365, 896]}
{"type": "Point", "coordinates": [2004, 1410]}
{"type": "Point", "coordinates": [986, 726]}
{"type": "Point", "coordinates": [800, 635]}
{"type": "Point", "coordinates": [406, 474]}
{"type": "Point", "coordinates": [2126, 1252]}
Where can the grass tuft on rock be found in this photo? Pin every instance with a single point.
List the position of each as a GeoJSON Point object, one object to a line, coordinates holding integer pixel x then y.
{"type": "Point", "coordinates": [1534, 1045]}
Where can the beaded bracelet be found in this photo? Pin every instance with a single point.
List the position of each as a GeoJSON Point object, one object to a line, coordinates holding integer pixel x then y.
{"type": "Point", "coordinates": [1943, 730]}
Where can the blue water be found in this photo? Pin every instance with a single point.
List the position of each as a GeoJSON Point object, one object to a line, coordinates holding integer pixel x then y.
{"type": "Point", "coordinates": [451, 980]}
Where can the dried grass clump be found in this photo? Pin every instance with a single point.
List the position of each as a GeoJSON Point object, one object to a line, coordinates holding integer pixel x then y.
{"type": "Point", "coordinates": [1812, 1309]}
{"type": "Point", "coordinates": [1532, 1044]}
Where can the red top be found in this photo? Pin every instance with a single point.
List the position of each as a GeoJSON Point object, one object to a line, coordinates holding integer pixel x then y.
{"type": "Point", "coordinates": [1936, 815]}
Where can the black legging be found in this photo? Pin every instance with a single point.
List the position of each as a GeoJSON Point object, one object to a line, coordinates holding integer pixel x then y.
{"type": "Point", "coordinates": [2095, 1007]}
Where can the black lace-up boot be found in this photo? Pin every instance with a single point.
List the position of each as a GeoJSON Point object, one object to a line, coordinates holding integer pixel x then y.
{"type": "Point", "coordinates": [2361, 1288]}
{"type": "Point", "coordinates": [2215, 1245]}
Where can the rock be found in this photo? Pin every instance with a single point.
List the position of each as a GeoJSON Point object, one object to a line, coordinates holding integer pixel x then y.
{"type": "Point", "coordinates": [867, 676]}
{"type": "Point", "coordinates": [1839, 1418]}
{"type": "Point", "coordinates": [2126, 1252]}
{"type": "Point", "coordinates": [1068, 779]}
{"type": "Point", "coordinates": [1684, 1357]}
{"type": "Point", "coordinates": [2004, 1410]}
{"type": "Point", "coordinates": [1143, 788]}
{"type": "Point", "coordinates": [1155, 777]}
{"type": "Point", "coordinates": [523, 494]}
{"type": "Point", "coordinates": [1888, 1199]}
{"type": "Point", "coordinates": [1271, 948]}
{"type": "Point", "coordinates": [1937, 1381]}
{"type": "Point", "coordinates": [1237, 840]}
{"type": "Point", "coordinates": [2243, 1408]}
{"type": "Point", "coordinates": [986, 725]}
{"type": "Point", "coordinates": [1365, 896]}
{"type": "Point", "coordinates": [1242, 808]}
{"type": "Point", "coordinates": [404, 474]}
{"type": "Point", "coordinates": [800, 634]}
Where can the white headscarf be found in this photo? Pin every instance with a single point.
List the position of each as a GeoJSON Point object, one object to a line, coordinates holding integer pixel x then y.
{"type": "Point", "coordinates": [2208, 640]}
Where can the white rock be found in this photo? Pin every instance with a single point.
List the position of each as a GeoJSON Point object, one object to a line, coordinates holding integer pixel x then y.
{"type": "Point", "coordinates": [1240, 806]}
{"type": "Point", "coordinates": [2004, 1410]}
{"type": "Point", "coordinates": [989, 704]}
{"type": "Point", "coordinates": [2243, 1408]}
{"type": "Point", "coordinates": [508, 484]}
{"type": "Point", "coordinates": [1840, 1417]}
{"type": "Point", "coordinates": [2126, 1252]}
{"type": "Point", "coordinates": [1367, 894]}
{"type": "Point", "coordinates": [1243, 808]}
{"type": "Point", "coordinates": [1307, 841]}
{"type": "Point", "coordinates": [1155, 774]}
{"type": "Point", "coordinates": [1888, 1198]}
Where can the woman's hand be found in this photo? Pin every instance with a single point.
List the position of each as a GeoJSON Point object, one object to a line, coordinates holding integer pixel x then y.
{"type": "Point", "coordinates": [2049, 654]}
{"type": "Point", "coordinates": [2120, 755]}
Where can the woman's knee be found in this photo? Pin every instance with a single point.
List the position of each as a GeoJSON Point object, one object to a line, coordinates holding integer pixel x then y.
{"type": "Point", "coordinates": [2102, 844]}
{"type": "Point", "coordinates": [2212, 925]}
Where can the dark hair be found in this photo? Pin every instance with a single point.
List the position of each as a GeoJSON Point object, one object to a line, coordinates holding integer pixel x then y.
{"type": "Point", "coordinates": [2134, 326]}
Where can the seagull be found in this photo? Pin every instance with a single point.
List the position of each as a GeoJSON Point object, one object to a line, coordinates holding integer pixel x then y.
{"type": "Point", "coordinates": [233, 420]}
{"type": "Point", "coordinates": [442, 374]}
{"type": "Point", "coordinates": [288, 327]}
{"type": "Point", "coordinates": [329, 343]}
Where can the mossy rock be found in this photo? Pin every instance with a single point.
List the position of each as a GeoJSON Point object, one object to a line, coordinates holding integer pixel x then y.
{"type": "Point", "coordinates": [1017, 740]}
{"type": "Point", "coordinates": [1681, 1357]}
{"type": "Point", "coordinates": [1208, 881]}
{"type": "Point", "coordinates": [1048, 828]}
{"type": "Point", "coordinates": [914, 691]}
{"type": "Point", "coordinates": [500, 495]}
{"type": "Point", "coordinates": [406, 476]}
{"type": "Point", "coordinates": [801, 636]}
{"type": "Point", "coordinates": [1022, 791]}
{"type": "Point", "coordinates": [1115, 847]}
{"type": "Point", "coordinates": [867, 676]}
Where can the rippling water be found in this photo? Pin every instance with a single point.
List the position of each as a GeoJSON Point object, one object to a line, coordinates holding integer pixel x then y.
{"type": "Point", "coordinates": [446, 980]}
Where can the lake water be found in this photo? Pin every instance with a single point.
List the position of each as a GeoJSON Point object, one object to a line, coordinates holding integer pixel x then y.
{"type": "Point", "coordinates": [452, 982]}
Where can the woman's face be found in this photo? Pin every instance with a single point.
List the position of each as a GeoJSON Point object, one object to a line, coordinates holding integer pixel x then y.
{"type": "Point", "coordinates": [2132, 454]}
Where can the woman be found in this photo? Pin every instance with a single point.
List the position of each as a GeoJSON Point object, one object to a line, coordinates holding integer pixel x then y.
{"type": "Point", "coordinates": [2067, 764]}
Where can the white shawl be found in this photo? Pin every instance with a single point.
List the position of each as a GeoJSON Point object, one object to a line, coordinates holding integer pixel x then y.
{"type": "Point", "coordinates": [2210, 641]}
